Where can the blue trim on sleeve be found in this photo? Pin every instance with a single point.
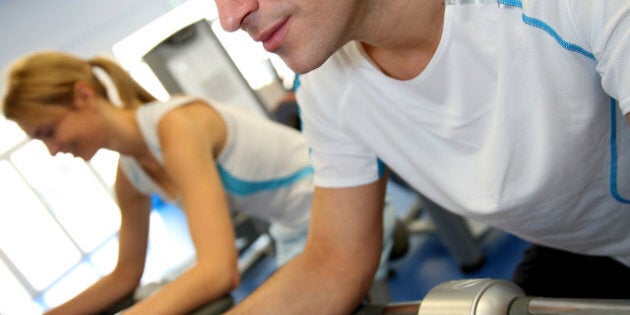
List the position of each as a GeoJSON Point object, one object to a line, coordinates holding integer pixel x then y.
{"type": "Point", "coordinates": [512, 3]}
{"type": "Point", "coordinates": [613, 153]}
{"type": "Point", "coordinates": [548, 29]}
{"type": "Point", "coordinates": [381, 167]}
{"type": "Point", "coordinates": [296, 83]}
{"type": "Point", "coordinates": [242, 187]}
{"type": "Point", "coordinates": [566, 45]}
{"type": "Point", "coordinates": [613, 116]}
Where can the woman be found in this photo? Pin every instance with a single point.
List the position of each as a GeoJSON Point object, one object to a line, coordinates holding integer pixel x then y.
{"type": "Point", "coordinates": [208, 158]}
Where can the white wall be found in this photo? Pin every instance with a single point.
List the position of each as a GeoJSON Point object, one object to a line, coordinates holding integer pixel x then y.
{"type": "Point", "coordinates": [82, 27]}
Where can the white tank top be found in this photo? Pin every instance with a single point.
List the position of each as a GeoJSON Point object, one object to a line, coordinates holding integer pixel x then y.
{"type": "Point", "coordinates": [264, 166]}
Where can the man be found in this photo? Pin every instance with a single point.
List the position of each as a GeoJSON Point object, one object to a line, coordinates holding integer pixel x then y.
{"type": "Point", "coordinates": [509, 112]}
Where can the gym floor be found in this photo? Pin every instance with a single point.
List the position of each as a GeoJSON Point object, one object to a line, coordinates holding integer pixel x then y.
{"type": "Point", "coordinates": [426, 264]}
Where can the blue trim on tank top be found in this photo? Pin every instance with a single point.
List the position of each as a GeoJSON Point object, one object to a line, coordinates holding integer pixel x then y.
{"type": "Point", "coordinates": [241, 187]}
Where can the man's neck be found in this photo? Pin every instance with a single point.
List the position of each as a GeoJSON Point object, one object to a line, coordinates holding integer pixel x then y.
{"type": "Point", "coordinates": [402, 37]}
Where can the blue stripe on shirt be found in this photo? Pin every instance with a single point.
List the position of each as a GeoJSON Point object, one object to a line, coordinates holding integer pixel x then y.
{"type": "Point", "coordinates": [241, 187]}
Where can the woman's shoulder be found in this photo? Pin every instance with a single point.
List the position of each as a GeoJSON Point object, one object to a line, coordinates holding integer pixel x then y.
{"type": "Point", "coordinates": [176, 106]}
{"type": "Point", "coordinates": [193, 117]}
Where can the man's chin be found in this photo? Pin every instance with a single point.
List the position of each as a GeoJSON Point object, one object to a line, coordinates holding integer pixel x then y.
{"type": "Point", "coordinates": [302, 66]}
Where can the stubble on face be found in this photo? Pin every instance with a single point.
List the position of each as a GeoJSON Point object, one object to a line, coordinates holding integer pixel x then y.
{"type": "Point", "coordinates": [316, 29]}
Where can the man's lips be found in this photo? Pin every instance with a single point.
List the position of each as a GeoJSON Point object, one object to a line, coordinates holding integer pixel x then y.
{"type": "Point", "coordinates": [273, 37]}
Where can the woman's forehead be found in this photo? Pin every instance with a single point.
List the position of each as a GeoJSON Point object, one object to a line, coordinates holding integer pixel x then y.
{"type": "Point", "coordinates": [40, 116]}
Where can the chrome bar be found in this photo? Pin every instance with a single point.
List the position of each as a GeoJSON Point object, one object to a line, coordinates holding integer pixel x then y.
{"type": "Point", "coordinates": [559, 306]}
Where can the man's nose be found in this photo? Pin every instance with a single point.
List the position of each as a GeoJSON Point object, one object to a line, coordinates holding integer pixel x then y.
{"type": "Point", "coordinates": [233, 12]}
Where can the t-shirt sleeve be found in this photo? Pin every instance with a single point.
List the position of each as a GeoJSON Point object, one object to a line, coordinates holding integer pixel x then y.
{"type": "Point", "coordinates": [605, 26]}
{"type": "Point", "coordinates": [338, 159]}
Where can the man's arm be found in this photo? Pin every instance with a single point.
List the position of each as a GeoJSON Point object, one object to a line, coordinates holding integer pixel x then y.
{"type": "Point", "coordinates": [337, 266]}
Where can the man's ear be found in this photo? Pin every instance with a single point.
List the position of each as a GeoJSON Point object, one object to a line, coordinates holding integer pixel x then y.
{"type": "Point", "coordinates": [83, 94]}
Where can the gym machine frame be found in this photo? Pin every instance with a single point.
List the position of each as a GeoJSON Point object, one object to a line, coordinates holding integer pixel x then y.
{"type": "Point", "coordinates": [494, 297]}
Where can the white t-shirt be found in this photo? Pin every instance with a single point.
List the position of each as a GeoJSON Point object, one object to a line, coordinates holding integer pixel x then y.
{"type": "Point", "coordinates": [516, 121]}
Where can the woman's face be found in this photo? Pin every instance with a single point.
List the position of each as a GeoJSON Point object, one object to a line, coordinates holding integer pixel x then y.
{"type": "Point", "coordinates": [77, 131]}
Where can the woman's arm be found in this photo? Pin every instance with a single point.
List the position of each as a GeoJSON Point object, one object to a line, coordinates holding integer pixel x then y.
{"type": "Point", "coordinates": [132, 237]}
{"type": "Point", "coordinates": [189, 135]}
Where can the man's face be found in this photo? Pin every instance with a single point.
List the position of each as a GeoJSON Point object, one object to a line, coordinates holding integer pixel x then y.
{"type": "Point", "coordinates": [304, 33]}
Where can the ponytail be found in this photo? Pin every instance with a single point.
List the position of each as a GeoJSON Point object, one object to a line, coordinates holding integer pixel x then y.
{"type": "Point", "coordinates": [130, 92]}
{"type": "Point", "coordinates": [48, 78]}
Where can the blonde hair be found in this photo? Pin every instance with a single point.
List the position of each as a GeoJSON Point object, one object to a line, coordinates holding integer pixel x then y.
{"type": "Point", "coordinates": [47, 79]}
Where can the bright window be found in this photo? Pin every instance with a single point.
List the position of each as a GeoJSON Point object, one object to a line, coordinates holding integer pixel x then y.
{"type": "Point", "coordinates": [58, 223]}
{"type": "Point", "coordinates": [29, 235]}
{"type": "Point", "coordinates": [90, 215]}
{"type": "Point", "coordinates": [11, 134]}
{"type": "Point", "coordinates": [15, 298]}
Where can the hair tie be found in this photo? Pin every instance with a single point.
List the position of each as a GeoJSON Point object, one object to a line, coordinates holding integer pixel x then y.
{"type": "Point", "coordinates": [110, 88]}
